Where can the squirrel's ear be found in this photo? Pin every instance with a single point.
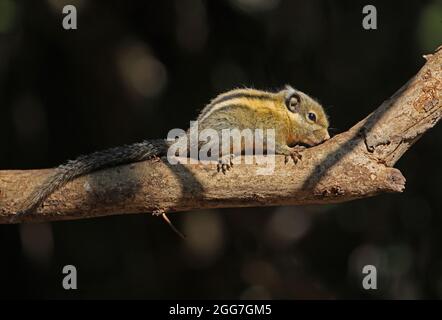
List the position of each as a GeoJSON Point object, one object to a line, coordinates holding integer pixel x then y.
{"type": "Point", "coordinates": [289, 88]}
{"type": "Point", "coordinates": [292, 99]}
{"type": "Point", "coordinates": [288, 91]}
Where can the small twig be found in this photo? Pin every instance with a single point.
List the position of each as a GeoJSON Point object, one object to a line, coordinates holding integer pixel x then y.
{"type": "Point", "coordinates": [172, 226]}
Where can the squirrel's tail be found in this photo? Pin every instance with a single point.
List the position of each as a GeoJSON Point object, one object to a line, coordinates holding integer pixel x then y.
{"type": "Point", "coordinates": [89, 163]}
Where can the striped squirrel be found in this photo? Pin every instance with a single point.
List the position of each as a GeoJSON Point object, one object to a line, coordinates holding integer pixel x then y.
{"type": "Point", "coordinates": [296, 118]}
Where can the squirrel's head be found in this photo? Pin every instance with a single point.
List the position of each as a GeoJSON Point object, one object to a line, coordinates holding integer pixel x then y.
{"type": "Point", "coordinates": [309, 119]}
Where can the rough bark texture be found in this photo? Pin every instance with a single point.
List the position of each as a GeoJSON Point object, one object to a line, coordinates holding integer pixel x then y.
{"type": "Point", "coordinates": [354, 164]}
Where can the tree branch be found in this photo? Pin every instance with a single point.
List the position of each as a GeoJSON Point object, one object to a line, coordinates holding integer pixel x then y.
{"type": "Point", "coordinates": [354, 164]}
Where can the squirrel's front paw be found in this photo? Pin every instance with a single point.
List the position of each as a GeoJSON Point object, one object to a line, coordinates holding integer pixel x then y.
{"type": "Point", "coordinates": [225, 163]}
{"type": "Point", "coordinates": [294, 154]}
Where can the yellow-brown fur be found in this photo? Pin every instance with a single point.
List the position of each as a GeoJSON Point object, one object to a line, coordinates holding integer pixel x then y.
{"type": "Point", "coordinates": [255, 109]}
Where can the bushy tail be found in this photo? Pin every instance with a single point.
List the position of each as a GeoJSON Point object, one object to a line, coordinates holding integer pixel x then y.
{"type": "Point", "coordinates": [89, 163]}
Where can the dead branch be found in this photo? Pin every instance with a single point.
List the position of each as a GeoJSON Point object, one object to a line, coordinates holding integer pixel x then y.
{"type": "Point", "coordinates": [355, 164]}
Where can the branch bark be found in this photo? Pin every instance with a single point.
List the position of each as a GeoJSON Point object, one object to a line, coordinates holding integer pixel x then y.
{"type": "Point", "coordinates": [355, 164]}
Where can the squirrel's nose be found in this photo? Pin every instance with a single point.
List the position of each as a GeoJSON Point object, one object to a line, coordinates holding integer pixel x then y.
{"type": "Point", "coordinates": [327, 137]}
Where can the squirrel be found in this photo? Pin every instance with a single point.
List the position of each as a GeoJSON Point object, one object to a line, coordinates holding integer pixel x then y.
{"type": "Point", "coordinates": [296, 118]}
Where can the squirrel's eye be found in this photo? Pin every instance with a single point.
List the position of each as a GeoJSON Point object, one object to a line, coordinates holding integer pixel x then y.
{"type": "Point", "coordinates": [293, 102]}
{"type": "Point", "coordinates": [311, 116]}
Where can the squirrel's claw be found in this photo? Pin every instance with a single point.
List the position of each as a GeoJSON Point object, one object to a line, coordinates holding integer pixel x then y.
{"type": "Point", "coordinates": [295, 154]}
{"type": "Point", "coordinates": [225, 163]}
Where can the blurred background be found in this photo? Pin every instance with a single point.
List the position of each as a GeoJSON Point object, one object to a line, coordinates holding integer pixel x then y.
{"type": "Point", "coordinates": [136, 69]}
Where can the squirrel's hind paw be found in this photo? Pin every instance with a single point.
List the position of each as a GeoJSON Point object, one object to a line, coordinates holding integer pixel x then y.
{"type": "Point", "coordinates": [225, 163]}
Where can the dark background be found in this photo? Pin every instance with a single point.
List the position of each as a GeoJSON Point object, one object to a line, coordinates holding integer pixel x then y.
{"type": "Point", "coordinates": [136, 69]}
